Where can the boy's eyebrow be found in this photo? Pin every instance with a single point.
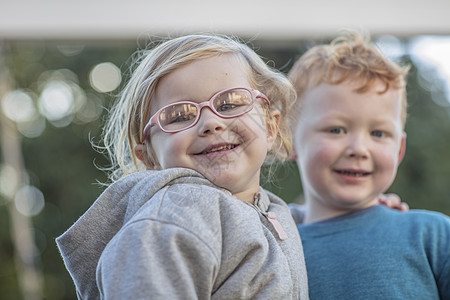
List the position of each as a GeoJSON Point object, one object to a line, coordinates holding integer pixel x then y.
{"type": "Point", "coordinates": [334, 114]}
{"type": "Point", "coordinates": [377, 120]}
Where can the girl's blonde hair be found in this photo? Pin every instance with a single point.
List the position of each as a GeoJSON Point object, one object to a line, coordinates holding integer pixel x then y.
{"type": "Point", "coordinates": [129, 115]}
{"type": "Point", "coordinates": [348, 57]}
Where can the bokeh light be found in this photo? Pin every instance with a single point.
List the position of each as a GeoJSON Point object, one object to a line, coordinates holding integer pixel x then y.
{"type": "Point", "coordinates": [105, 77]}
{"type": "Point", "coordinates": [391, 46]}
{"type": "Point", "coordinates": [70, 49]}
{"type": "Point", "coordinates": [56, 100]}
{"type": "Point", "coordinates": [19, 106]}
{"type": "Point", "coordinates": [9, 180]}
{"type": "Point", "coordinates": [33, 128]}
{"type": "Point", "coordinates": [431, 54]}
{"type": "Point", "coordinates": [91, 109]}
{"type": "Point", "coordinates": [29, 200]}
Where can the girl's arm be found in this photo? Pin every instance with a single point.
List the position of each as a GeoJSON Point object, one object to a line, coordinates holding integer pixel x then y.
{"type": "Point", "coordinates": [151, 259]}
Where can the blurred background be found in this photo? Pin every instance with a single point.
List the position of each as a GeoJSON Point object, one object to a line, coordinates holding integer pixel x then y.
{"type": "Point", "coordinates": [61, 64]}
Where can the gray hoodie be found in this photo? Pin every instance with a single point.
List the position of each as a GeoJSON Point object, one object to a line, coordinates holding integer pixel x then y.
{"type": "Point", "coordinates": [172, 234]}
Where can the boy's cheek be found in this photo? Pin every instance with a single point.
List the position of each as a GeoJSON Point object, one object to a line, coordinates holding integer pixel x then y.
{"type": "Point", "coordinates": [316, 166]}
{"type": "Point", "coordinates": [386, 165]}
{"type": "Point", "coordinates": [316, 155]}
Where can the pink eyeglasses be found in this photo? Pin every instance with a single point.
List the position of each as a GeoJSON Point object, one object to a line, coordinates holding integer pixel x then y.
{"type": "Point", "coordinates": [229, 103]}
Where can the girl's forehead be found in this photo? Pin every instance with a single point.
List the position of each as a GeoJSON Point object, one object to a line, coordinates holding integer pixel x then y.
{"type": "Point", "coordinates": [200, 79]}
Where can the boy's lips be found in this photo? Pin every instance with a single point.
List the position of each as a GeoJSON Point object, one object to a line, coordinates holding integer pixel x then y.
{"type": "Point", "coordinates": [217, 148]}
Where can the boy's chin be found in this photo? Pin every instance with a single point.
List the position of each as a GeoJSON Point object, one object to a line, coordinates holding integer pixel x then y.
{"type": "Point", "coordinates": [351, 204]}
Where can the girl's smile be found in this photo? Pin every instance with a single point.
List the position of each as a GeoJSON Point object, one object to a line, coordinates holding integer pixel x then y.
{"type": "Point", "coordinates": [219, 149]}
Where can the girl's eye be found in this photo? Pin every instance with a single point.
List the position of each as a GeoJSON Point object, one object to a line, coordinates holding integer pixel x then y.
{"type": "Point", "coordinates": [377, 133]}
{"type": "Point", "coordinates": [337, 130]}
{"type": "Point", "coordinates": [226, 107]}
{"type": "Point", "coordinates": [181, 118]}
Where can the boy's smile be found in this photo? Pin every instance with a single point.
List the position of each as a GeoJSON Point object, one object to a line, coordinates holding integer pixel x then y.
{"type": "Point", "coordinates": [229, 152]}
{"type": "Point", "coordinates": [352, 175]}
{"type": "Point", "coordinates": [348, 145]}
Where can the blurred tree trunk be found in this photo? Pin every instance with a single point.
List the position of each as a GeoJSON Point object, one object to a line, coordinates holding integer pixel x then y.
{"type": "Point", "coordinates": [26, 256]}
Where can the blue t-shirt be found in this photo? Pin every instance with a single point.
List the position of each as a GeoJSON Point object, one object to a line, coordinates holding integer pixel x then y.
{"type": "Point", "coordinates": [379, 253]}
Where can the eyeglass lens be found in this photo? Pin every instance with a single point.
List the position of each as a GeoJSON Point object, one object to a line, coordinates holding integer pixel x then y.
{"type": "Point", "coordinates": [228, 104]}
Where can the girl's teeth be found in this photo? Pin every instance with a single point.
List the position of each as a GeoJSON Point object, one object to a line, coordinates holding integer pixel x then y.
{"type": "Point", "coordinates": [227, 147]}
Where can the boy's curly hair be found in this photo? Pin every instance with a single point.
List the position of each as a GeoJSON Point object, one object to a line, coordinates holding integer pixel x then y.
{"type": "Point", "coordinates": [349, 57]}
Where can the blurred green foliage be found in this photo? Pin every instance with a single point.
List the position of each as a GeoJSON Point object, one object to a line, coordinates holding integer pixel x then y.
{"type": "Point", "coordinates": [62, 163]}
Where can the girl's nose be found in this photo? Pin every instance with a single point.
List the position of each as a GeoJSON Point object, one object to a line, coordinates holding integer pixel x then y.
{"type": "Point", "coordinates": [209, 122]}
{"type": "Point", "coordinates": [357, 147]}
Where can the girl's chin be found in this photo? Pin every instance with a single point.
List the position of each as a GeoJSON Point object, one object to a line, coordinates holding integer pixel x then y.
{"type": "Point", "coordinates": [222, 180]}
{"type": "Point", "coordinates": [217, 172]}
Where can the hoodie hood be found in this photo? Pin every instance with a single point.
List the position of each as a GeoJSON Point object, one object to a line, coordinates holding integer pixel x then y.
{"type": "Point", "coordinates": [83, 243]}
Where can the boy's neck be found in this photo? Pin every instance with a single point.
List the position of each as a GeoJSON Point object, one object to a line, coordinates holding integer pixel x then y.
{"type": "Point", "coordinates": [316, 211]}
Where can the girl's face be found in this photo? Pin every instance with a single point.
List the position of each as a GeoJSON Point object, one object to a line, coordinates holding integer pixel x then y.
{"type": "Point", "coordinates": [228, 152]}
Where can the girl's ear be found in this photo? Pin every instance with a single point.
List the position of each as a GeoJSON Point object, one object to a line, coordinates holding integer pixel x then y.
{"type": "Point", "coordinates": [293, 156]}
{"type": "Point", "coordinates": [273, 123]}
{"type": "Point", "coordinates": [141, 153]}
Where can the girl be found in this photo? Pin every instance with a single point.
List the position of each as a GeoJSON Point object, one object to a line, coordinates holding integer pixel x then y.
{"type": "Point", "coordinates": [188, 219]}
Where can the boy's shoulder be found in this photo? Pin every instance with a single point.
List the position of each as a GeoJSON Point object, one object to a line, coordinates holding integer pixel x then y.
{"type": "Point", "coordinates": [417, 221]}
{"type": "Point", "coordinates": [378, 217]}
{"type": "Point", "coordinates": [420, 221]}
{"type": "Point", "coordinates": [416, 215]}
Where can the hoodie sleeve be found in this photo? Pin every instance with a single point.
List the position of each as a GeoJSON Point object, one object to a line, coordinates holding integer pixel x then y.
{"type": "Point", "coordinates": [150, 258]}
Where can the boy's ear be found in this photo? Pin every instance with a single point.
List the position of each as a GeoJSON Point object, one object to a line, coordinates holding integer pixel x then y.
{"type": "Point", "coordinates": [141, 153]}
{"type": "Point", "coordinates": [402, 151]}
{"type": "Point", "coordinates": [273, 124]}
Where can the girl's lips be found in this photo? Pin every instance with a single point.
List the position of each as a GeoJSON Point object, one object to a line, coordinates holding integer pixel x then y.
{"type": "Point", "coordinates": [217, 148]}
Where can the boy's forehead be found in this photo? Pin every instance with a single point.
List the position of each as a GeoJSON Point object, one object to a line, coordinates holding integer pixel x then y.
{"type": "Point", "coordinates": [352, 85]}
{"type": "Point", "coordinates": [316, 91]}
{"type": "Point", "coordinates": [326, 94]}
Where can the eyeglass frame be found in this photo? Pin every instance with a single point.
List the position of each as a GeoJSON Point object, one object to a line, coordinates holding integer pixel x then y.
{"type": "Point", "coordinates": [255, 94]}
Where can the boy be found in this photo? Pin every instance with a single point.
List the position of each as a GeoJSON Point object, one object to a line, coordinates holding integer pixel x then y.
{"type": "Point", "coordinates": [349, 140]}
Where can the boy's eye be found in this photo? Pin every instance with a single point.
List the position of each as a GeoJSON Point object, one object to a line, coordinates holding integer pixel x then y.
{"type": "Point", "coordinates": [377, 133]}
{"type": "Point", "coordinates": [337, 130]}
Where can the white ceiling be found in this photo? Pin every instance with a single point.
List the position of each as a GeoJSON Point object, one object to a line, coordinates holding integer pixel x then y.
{"type": "Point", "coordinates": [264, 19]}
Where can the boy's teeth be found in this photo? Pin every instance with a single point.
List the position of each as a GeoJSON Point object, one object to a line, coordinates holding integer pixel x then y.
{"type": "Point", "coordinates": [357, 174]}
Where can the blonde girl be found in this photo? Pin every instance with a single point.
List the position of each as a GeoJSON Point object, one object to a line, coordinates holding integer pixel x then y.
{"type": "Point", "coordinates": [186, 217]}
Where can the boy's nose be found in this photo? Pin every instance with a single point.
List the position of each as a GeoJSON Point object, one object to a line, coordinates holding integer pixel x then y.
{"type": "Point", "coordinates": [209, 122]}
{"type": "Point", "coordinates": [357, 147]}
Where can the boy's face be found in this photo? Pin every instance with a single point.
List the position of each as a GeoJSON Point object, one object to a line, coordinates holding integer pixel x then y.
{"type": "Point", "coordinates": [229, 152]}
{"type": "Point", "coordinates": [348, 145]}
